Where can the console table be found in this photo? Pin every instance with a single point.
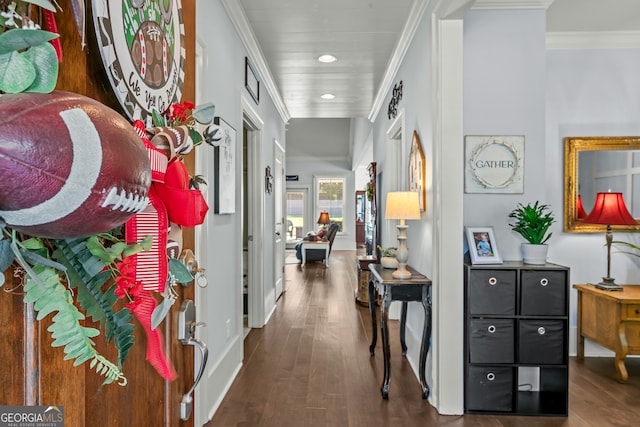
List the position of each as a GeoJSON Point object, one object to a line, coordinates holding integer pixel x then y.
{"type": "Point", "coordinates": [319, 244]}
{"type": "Point", "coordinates": [417, 288]}
{"type": "Point", "coordinates": [612, 319]}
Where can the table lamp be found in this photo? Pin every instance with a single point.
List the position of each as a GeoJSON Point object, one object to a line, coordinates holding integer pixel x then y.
{"type": "Point", "coordinates": [609, 209]}
{"type": "Point", "coordinates": [324, 220]}
{"type": "Point", "coordinates": [402, 205]}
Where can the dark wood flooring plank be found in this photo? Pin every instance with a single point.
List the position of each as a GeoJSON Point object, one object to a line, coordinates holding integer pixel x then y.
{"type": "Point", "coordinates": [310, 366]}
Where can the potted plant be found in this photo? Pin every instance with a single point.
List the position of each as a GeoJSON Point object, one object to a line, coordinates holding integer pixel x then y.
{"type": "Point", "coordinates": [388, 257]}
{"type": "Point", "coordinates": [532, 222]}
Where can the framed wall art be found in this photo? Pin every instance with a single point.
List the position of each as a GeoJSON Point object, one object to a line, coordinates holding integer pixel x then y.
{"type": "Point", "coordinates": [251, 81]}
{"type": "Point", "coordinates": [225, 169]}
{"type": "Point", "coordinates": [494, 164]}
{"type": "Point", "coordinates": [417, 171]}
{"type": "Point", "coordinates": [483, 247]}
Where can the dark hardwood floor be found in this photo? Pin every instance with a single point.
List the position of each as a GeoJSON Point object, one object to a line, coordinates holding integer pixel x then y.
{"type": "Point", "coordinates": [310, 366]}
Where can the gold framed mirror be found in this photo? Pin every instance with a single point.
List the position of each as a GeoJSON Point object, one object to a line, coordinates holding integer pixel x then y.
{"type": "Point", "coordinates": [595, 164]}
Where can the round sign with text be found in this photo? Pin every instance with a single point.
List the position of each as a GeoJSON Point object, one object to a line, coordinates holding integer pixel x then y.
{"type": "Point", "coordinates": [494, 164]}
{"type": "Point", "coordinates": [142, 48]}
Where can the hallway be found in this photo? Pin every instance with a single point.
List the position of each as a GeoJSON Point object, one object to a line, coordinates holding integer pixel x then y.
{"type": "Point", "coordinates": [310, 366]}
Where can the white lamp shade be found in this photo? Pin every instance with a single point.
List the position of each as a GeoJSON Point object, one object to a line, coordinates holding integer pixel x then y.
{"type": "Point", "coordinates": [402, 205]}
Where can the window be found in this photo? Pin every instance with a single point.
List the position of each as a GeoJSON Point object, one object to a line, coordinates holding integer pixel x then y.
{"type": "Point", "coordinates": [330, 198]}
{"type": "Point", "coordinates": [296, 200]}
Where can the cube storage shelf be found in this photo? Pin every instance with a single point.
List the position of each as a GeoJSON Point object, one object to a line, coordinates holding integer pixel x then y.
{"type": "Point", "coordinates": [516, 339]}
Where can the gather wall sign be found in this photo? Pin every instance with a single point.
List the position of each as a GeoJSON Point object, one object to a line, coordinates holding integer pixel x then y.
{"type": "Point", "coordinates": [494, 164]}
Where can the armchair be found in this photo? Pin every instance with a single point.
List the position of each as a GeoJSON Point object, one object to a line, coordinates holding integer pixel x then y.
{"type": "Point", "coordinates": [318, 254]}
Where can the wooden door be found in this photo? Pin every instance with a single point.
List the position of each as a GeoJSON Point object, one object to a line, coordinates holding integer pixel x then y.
{"type": "Point", "coordinates": [35, 372]}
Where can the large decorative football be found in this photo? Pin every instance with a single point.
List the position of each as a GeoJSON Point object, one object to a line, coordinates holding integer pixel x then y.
{"type": "Point", "coordinates": [69, 165]}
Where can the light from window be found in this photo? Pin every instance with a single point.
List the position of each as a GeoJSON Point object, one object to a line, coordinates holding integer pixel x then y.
{"type": "Point", "coordinates": [331, 199]}
{"type": "Point", "coordinates": [295, 214]}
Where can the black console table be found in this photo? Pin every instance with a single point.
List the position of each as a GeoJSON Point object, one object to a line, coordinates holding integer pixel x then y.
{"type": "Point", "coordinates": [391, 289]}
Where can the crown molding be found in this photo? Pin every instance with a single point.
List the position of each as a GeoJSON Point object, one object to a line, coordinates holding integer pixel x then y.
{"type": "Point", "coordinates": [511, 4]}
{"type": "Point", "coordinates": [593, 40]}
{"type": "Point", "coordinates": [254, 52]}
{"type": "Point", "coordinates": [415, 15]}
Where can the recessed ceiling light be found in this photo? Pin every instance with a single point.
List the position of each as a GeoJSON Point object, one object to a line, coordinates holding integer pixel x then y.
{"type": "Point", "coordinates": [327, 96]}
{"type": "Point", "coordinates": [327, 58]}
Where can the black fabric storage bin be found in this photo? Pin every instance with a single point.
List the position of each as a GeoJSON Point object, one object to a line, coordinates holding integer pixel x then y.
{"type": "Point", "coordinates": [491, 341]}
{"type": "Point", "coordinates": [492, 292]}
{"type": "Point", "coordinates": [543, 293]}
{"type": "Point", "coordinates": [541, 342]}
{"type": "Point", "coordinates": [489, 389]}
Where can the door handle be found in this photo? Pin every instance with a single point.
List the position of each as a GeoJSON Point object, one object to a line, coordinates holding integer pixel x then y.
{"type": "Point", "coordinates": [186, 334]}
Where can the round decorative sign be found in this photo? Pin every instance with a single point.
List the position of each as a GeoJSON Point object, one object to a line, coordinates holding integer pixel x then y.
{"type": "Point", "coordinates": [142, 48]}
{"type": "Point", "coordinates": [494, 164]}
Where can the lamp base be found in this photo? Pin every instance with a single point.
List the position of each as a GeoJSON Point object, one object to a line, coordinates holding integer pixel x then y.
{"type": "Point", "coordinates": [401, 274]}
{"type": "Point", "coordinates": [608, 284]}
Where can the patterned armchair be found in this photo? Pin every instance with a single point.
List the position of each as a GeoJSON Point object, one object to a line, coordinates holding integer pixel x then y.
{"type": "Point", "coordinates": [319, 254]}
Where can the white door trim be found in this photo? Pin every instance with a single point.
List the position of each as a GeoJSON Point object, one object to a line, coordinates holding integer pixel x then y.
{"type": "Point", "coordinates": [448, 130]}
{"type": "Point", "coordinates": [255, 258]}
{"type": "Point", "coordinates": [279, 155]}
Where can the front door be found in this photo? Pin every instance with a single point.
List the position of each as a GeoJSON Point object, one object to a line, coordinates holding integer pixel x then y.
{"type": "Point", "coordinates": [36, 372]}
{"type": "Point", "coordinates": [280, 228]}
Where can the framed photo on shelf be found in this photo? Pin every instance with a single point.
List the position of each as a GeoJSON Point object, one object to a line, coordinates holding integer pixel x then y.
{"type": "Point", "coordinates": [251, 81]}
{"type": "Point", "coordinates": [483, 247]}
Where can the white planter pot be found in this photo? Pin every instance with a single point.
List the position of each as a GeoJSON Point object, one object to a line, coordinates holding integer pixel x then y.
{"type": "Point", "coordinates": [534, 254]}
{"type": "Point", "coordinates": [389, 262]}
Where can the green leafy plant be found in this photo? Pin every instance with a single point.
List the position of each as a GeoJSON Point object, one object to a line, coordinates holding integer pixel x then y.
{"type": "Point", "coordinates": [390, 252]}
{"type": "Point", "coordinates": [630, 248]}
{"type": "Point", "coordinates": [187, 114]}
{"type": "Point", "coordinates": [53, 268]}
{"type": "Point", "coordinates": [28, 62]}
{"type": "Point", "coordinates": [532, 222]}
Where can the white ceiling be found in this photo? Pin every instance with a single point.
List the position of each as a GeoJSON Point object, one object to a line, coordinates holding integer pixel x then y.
{"type": "Point", "coordinates": [368, 38]}
{"type": "Point", "coordinates": [362, 34]}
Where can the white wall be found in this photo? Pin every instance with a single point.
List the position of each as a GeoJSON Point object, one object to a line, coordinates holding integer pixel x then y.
{"type": "Point", "coordinates": [504, 94]}
{"type": "Point", "coordinates": [306, 170]}
{"type": "Point", "coordinates": [590, 92]}
{"type": "Point", "coordinates": [361, 135]}
{"type": "Point", "coordinates": [220, 238]}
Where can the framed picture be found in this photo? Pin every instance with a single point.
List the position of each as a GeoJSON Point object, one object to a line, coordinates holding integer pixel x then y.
{"type": "Point", "coordinates": [225, 169]}
{"type": "Point", "coordinates": [494, 164]}
{"type": "Point", "coordinates": [483, 247]}
{"type": "Point", "coordinates": [417, 171]}
{"type": "Point", "coordinates": [251, 81]}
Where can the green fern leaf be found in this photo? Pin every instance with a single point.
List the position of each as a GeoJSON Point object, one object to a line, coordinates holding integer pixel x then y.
{"type": "Point", "coordinates": [49, 295]}
{"type": "Point", "coordinates": [87, 275]}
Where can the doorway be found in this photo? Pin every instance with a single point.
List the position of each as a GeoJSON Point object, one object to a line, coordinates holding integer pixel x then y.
{"type": "Point", "coordinates": [295, 208]}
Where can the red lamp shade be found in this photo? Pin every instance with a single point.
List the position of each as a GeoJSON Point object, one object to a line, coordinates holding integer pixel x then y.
{"type": "Point", "coordinates": [580, 208]}
{"type": "Point", "coordinates": [609, 209]}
